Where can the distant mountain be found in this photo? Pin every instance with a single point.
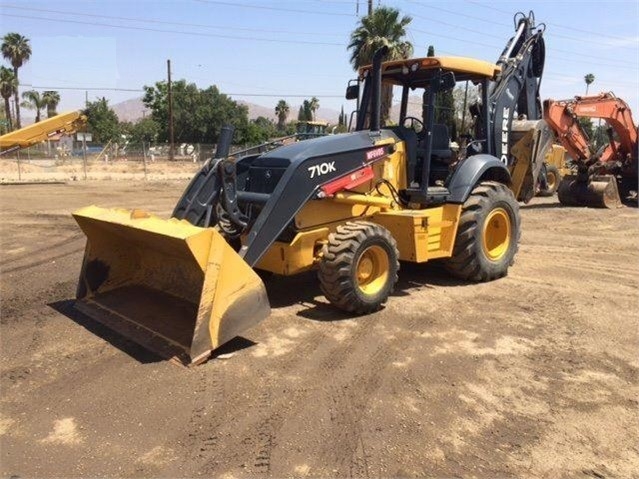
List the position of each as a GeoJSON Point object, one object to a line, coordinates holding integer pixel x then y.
{"type": "Point", "coordinates": [130, 110]}
{"type": "Point", "coordinates": [133, 110]}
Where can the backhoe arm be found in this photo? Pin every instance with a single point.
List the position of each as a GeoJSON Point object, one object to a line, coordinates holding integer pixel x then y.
{"type": "Point", "coordinates": [516, 88]}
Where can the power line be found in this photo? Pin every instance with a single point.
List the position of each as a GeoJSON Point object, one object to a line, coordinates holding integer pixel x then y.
{"type": "Point", "coordinates": [38, 87]}
{"type": "Point", "coordinates": [589, 32]}
{"type": "Point", "coordinates": [620, 64]}
{"type": "Point", "coordinates": [266, 95]}
{"type": "Point", "coordinates": [492, 22]}
{"type": "Point", "coordinates": [157, 30]}
{"type": "Point", "coordinates": [567, 59]}
{"type": "Point", "coordinates": [279, 9]}
{"type": "Point", "coordinates": [162, 22]}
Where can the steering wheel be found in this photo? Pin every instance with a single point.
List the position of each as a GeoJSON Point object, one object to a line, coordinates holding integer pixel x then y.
{"type": "Point", "coordinates": [414, 122]}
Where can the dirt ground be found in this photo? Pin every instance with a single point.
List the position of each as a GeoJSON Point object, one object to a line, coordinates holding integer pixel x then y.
{"type": "Point", "coordinates": [535, 375]}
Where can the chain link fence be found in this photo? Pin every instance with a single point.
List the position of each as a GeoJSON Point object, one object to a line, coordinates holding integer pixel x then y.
{"type": "Point", "coordinates": [71, 161]}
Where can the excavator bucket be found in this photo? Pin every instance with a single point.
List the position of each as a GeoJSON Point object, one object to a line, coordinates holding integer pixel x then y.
{"type": "Point", "coordinates": [600, 192]}
{"type": "Point", "coordinates": [177, 289]}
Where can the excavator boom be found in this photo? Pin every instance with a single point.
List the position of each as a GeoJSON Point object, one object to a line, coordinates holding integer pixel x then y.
{"type": "Point", "coordinates": [596, 181]}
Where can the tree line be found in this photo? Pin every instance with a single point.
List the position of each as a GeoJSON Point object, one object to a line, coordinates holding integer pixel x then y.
{"type": "Point", "coordinates": [198, 116]}
{"type": "Point", "coordinates": [16, 49]}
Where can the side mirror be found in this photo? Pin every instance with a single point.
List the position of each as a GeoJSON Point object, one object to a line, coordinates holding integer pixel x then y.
{"type": "Point", "coordinates": [443, 82]}
{"type": "Point", "coordinates": [352, 92]}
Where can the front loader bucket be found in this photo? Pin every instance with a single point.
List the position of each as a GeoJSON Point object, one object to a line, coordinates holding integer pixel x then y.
{"type": "Point", "coordinates": [175, 288]}
{"type": "Point", "coordinates": [600, 192]}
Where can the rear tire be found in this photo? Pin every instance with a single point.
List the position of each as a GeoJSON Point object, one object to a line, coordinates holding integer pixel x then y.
{"type": "Point", "coordinates": [487, 235]}
{"type": "Point", "coordinates": [359, 266]}
{"type": "Point", "coordinates": [553, 178]}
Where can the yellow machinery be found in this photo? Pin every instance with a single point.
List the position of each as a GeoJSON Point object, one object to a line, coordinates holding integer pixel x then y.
{"type": "Point", "coordinates": [350, 206]}
{"type": "Point", "coordinates": [557, 167]}
{"type": "Point", "coordinates": [67, 123]}
{"type": "Point", "coordinates": [311, 129]}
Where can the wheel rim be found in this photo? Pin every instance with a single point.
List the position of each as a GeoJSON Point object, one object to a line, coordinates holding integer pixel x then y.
{"type": "Point", "coordinates": [497, 234]}
{"type": "Point", "coordinates": [551, 179]}
{"type": "Point", "coordinates": [372, 270]}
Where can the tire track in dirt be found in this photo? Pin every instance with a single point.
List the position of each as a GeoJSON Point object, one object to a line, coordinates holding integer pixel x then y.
{"type": "Point", "coordinates": [47, 249]}
{"type": "Point", "coordinates": [202, 437]}
{"type": "Point", "coordinates": [267, 413]}
{"type": "Point", "coordinates": [46, 260]}
{"type": "Point", "coordinates": [258, 429]}
{"type": "Point", "coordinates": [349, 395]}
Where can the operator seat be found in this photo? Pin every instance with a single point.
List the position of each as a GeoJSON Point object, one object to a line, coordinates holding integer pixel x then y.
{"type": "Point", "coordinates": [441, 143]}
{"type": "Point", "coordinates": [440, 155]}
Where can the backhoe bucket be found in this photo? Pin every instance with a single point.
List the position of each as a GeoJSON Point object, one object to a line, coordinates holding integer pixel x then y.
{"type": "Point", "coordinates": [175, 288]}
{"type": "Point", "coordinates": [600, 192]}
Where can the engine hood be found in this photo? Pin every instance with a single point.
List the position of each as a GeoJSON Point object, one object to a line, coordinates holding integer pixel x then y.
{"type": "Point", "coordinates": [330, 145]}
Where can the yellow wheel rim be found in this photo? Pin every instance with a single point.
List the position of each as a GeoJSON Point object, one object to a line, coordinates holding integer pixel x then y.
{"type": "Point", "coordinates": [372, 270]}
{"type": "Point", "coordinates": [551, 179]}
{"type": "Point", "coordinates": [496, 234]}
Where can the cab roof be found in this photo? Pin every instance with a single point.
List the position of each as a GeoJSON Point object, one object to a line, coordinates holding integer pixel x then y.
{"type": "Point", "coordinates": [418, 70]}
{"type": "Point", "coordinates": [313, 122]}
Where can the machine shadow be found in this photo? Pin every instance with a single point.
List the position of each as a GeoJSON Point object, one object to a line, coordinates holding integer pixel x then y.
{"type": "Point", "coordinates": [134, 350]}
{"type": "Point", "coordinates": [629, 203]}
{"type": "Point", "coordinates": [303, 289]}
{"type": "Point", "coordinates": [131, 348]}
{"type": "Point", "coordinates": [541, 206]}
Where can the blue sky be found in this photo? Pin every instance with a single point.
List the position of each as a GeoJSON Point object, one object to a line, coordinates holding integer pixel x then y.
{"type": "Point", "coordinates": [272, 49]}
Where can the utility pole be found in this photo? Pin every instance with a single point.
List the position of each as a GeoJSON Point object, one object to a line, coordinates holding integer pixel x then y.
{"type": "Point", "coordinates": [170, 94]}
{"type": "Point", "coordinates": [370, 7]}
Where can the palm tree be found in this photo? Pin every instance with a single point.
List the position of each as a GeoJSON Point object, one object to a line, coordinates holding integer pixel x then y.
{"type": "Point", "coordinates": [51, 99]}
{"type": "Point", "coordinates": [8, 86]}
{"type": "Point", "coordinates": [282, 110]}
{"type": "Point", "coordinates": [314, 105]}
{"type": "Point", "coordinates": [383, 27]}
{"type": "Point", "coordinates": [17, 50]}
{"type": "Point", "coordinates": [33, 101]}
{"type": "Point", "coordinates": [589, 78]}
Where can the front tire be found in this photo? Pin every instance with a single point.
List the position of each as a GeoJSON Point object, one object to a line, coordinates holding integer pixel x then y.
{"type": "Point", "coordinates": [359, 266]}
{"type": "Point", "coordinates": [487, 234]}
{"type": "Point", "coordinates": [553, 178]}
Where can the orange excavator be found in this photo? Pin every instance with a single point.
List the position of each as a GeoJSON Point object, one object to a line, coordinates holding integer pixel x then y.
{"type": "Point", "coordinates": [599, 175]}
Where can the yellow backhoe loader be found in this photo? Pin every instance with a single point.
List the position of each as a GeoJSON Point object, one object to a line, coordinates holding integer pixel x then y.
{"type": "Point", "coordinates": [350, 206]}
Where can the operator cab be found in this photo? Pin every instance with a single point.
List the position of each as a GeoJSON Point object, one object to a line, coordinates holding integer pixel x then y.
{"type": "Point", "coordinates": [423, 126]}
{"type": "Point", "coordinates": [310, 129]}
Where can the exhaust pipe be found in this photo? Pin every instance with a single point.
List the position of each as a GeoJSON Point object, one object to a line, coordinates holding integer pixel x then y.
{"type": "Point", "coordinates": [376, 97]}
{"type": "Point", "coordinates": [224, 142]}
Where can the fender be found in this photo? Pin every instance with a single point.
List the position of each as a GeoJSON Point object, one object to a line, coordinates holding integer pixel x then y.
{"type": "Point", "coordinates": [471, 171]}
